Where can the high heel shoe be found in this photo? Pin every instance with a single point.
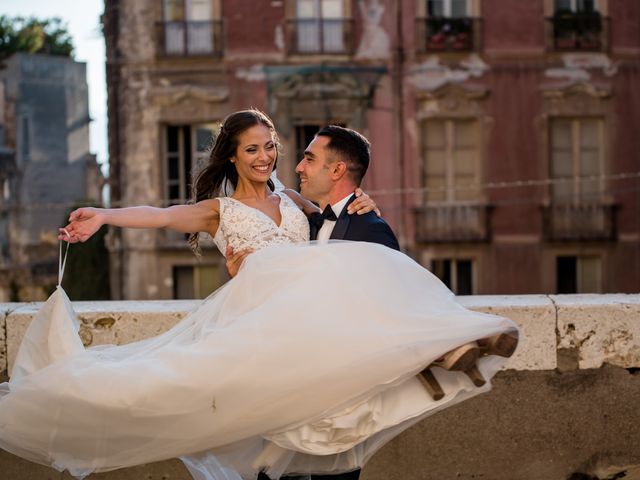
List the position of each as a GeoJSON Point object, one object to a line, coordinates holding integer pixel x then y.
{"type": "Point", "coordinates": [502, 344]}
{"type": "Point", "coordinates": [476, 377]}
{"type": "Point", "coordinates": [461, 359]}
{"type": "Point", "coordinates": [430, 383]}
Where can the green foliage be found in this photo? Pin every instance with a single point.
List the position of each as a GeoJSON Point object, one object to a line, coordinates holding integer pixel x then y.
{"type": "Point", "coordinates": [30, 35]}
{"type": "Point", "coordinates": [86, 275]}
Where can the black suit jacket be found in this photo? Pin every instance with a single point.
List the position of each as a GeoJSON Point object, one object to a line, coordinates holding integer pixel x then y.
{"type": "Point", "coordinates": [360, 228]}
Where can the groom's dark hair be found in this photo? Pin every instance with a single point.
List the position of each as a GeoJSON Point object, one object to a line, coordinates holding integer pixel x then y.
{"type": "Point", "coordinates": [353, 148]}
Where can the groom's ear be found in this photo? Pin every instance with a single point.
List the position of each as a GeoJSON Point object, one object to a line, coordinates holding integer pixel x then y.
{"type": "Point", "coordinates": [338, 170]}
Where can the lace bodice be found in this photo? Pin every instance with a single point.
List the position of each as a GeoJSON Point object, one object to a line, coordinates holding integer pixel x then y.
{"type": "Point", "coordinates": [242, 226]}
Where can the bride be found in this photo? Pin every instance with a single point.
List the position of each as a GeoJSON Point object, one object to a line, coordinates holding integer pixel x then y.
{"type": "Point", "coordinates": [308, 361]}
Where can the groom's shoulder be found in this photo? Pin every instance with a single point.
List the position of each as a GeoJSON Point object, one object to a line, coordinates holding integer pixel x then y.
{"type": "Point", "coordinates": [372, 228]}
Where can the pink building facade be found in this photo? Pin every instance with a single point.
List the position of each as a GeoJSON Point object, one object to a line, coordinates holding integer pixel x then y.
{"type": "Point", "coordinates": [503, 132]}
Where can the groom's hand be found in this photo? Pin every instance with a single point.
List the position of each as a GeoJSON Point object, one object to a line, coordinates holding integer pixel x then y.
{"type": "Point", "coordinates": [235, 259]}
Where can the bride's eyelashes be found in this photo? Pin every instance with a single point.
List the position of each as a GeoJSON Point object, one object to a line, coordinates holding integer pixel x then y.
{"type": "Point", "coordinates": [269, 148]}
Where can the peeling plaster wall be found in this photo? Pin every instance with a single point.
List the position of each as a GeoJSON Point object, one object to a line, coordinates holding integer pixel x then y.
{"type": "Point", "coordinates": [431, 74]}
{"type": "Point", "coordinates": [375, 42]}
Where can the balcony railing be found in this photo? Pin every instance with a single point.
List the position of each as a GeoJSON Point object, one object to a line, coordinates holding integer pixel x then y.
{"type": "Point", "coordinates": [190, 39]}
{"type": "Point", "coordinates": [314, 36]}
{"type": "Point", "coordinates": [565, 222]}
{"type": "Point", "coordinates": [442, 34]}
{"type": "Point", "coordinates": [578, 33]}
{"type": "Point", "coordinates": [453, 223]}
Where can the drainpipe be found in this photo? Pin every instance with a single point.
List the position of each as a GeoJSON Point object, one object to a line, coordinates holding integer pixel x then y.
{"type": "Point", "coordinates": [397, 92]}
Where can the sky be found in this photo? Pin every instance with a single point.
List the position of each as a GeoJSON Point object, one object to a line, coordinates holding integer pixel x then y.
{"type": "Point", "coordinates": [83, 23]}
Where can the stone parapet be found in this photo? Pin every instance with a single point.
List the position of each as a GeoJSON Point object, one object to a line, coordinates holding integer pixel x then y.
{"type": "Point", "coordinates": [567, 332]}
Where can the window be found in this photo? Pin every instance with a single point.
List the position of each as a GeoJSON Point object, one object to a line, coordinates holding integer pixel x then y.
{"type": "Point", "coordinates": [186, 149]}
{"type": "Point", "coordinates": [576, 158]}
{"type": "Point", "coordinates": [189, 28]}
{"type": "Point", "coordinates": [578, 274]}
{"type": "Point", "coordinates": [448, 26]}
{"type": "Point", "coordinates": [448, 8]}
{"type": "Point", "coordinates": [304, 136]}
{"type": "Point", "coordinates": [451, 160]}
{"type": "Point", "coordinates": [456, 274]}
{"type": "Point", "coordinates": [320, 26]}
{"type": "Point", "coordinates": [194, 281]}
{"type": "Point", "coordinates": [577, 25]}
{"type": "Point", "coordinates": [576, 6]}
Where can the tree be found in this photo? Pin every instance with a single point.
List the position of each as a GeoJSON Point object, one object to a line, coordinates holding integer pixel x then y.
{"type": "Point", "coordinates": [30, 35]}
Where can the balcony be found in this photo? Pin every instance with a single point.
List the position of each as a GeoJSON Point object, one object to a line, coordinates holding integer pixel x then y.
{"type": "Point", "coordinates": [320, 36]}
{"type": "Point", "coordinates": [441, 34]}
{"type": "Point", "coordinates": [567, 222]}
{"type": "Point", "coordinates": [453, 223]}
{"type": "Point", "coordinates": [578, 33]}
{"type": "Point", "coordinates": [190, 39]}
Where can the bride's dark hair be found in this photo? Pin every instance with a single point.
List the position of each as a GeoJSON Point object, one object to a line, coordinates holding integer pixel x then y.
{"type": "Point", "coordinates": [211, 181]}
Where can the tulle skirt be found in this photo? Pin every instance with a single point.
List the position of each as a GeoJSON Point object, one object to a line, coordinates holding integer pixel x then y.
{"type": "Point", "coordinates": [305, 362]}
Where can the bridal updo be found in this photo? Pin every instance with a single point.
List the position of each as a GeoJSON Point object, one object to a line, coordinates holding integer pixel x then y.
{"type": "Point", "coordinates": [219, 173]}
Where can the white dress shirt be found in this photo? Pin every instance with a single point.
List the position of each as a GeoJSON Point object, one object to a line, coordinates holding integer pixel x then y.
{"type": "Point", "coordinates": [327, 227]}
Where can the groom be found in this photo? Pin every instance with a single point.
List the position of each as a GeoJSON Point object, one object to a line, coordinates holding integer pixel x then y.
{"type": "Point", "coordinates": [333, 166]}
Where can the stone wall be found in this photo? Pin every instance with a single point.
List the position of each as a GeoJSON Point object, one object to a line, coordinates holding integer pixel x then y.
{"type": "Point", "coordinates": [565, 407]}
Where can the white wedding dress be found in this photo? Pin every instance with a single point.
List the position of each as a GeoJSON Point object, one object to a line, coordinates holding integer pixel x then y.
{"type": "Point", "coordinates": [305, 362]}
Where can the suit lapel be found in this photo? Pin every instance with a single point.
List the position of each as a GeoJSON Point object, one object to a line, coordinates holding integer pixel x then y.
{"type": "Point", "coordinates": [342, 225]}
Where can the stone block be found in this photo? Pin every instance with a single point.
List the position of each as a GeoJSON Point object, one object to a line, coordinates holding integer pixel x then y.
{"type": "Point", "coordinates": [117, 322]}
{"type": "Point", "coordinates": [598, 329]}
{"type": "Point", "coordinates": [5, 308]}
{"type": "Point", "coordinates": [535, 315]}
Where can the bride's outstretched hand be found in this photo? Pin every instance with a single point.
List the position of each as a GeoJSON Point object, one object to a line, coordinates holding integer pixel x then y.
{"type": "Point", "coordinates": [235, 259]}
{"type": "Point", "coordinates": [83, 223]}
{"type": "Point", "coordinates": [362, 204]}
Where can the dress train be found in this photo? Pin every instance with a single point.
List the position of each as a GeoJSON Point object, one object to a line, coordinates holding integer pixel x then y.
{"type": "Point", "coordinates": [305, 362]}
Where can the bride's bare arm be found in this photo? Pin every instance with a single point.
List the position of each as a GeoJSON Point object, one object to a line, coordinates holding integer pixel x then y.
{"type": "Point", "coordinates": [361, 205]}
{"type": "Point", "coordinates": [204, 216]}
{"type": "Point", "coordinates": [307, 206]}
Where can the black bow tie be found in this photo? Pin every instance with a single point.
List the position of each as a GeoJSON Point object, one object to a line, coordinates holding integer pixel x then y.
{"type": "Point", "coordinates": [329, 214]}
{"type": "Point", "coordinates": [317, 219]}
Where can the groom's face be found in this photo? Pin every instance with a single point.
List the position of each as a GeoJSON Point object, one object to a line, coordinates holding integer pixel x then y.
{"type": "Point", "coordinates": [315, 171]}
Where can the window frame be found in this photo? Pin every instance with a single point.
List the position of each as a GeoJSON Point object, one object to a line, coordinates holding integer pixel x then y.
{"type": "Point", "coordinates": [347, 29]}
{"type": "Point", "coordinates": [217, 31]}
{"type": "Point", "coordinates": [576, 132]}
{"type": "Point", "coordinates": [450, 186]}
{"type": "Point", "coordinates": [196, 156]}
{"type": "Point", "coordinates": [453, 273]}
{"type": "Point", "coordinates": [196, 275]}
{"type": "Point", "coordinates": [580, 259]}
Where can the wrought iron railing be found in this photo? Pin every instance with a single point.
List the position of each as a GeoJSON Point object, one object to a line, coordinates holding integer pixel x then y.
{"type": "Point", "coordinates": [190, 39]}
{"type": "Point", "coordinates": [588, 221]}
{"type": "Point", "coordinates": [578, 32]}
{"type": "Point", "coordinates": [453, 223]}
{"type": "Point", "coordinates": [443, 34]}
{"type": "Point", "coordinates": [314, 36]}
